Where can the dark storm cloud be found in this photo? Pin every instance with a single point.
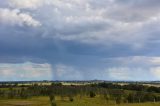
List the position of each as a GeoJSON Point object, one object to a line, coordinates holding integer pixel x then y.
{"type": "Point", "coordinates": [100, 39]}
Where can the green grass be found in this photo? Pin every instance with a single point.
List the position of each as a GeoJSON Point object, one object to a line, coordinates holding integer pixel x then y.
{"type": "Point", "coordinates": [84, 101]}
{"type": "Point", "coordinates": [37, 101]}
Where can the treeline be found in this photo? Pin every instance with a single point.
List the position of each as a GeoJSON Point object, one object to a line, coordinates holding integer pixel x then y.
{"type": "Point", "coordinates": [132, 93]}
{"type": "Point", "coordinates": [135, 87]}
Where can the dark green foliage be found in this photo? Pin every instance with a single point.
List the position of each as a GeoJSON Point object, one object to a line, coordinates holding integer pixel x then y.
{"type": "Point", "coordinates": [92, 94]}
{"type": "Point", "coordinates": [24, 94]}
{"type": "Point", "coordinates": [11, 93]}
{"type": "Point", "coordinates": [149, 97]}
{"type": "Point", "coordinates": [154, 89]}
{"type": "Point", "coordinates": [138, 97]}
{"type": "Point", "coordinates": [132, 93]}
{"type": "Point", "coordinates": [56, 84]}
{"type": "Point", "coordinates": [136, 87]}
{"type": "Point", "coordinates": [53, 103]}
{"type": "Point", "coordinates": [106, 96]}
{"type": "Point", "coordinates": [52, 100]}
{"type": "Point", "coordinates": [71, 99]}
{"type": "Point", "coordinates": [118, 100]}
{"type": "Point", "coordinates": [52, 97]}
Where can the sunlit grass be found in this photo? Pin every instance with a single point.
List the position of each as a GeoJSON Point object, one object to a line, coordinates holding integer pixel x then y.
{"type": "Point", "coordinates": [84, 101]}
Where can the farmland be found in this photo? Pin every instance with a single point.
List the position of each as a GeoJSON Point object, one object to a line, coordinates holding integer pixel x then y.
{"type": "Point", "coordinates": [78, 94]}
{"type": "Point", "coordinates": [44, 101]}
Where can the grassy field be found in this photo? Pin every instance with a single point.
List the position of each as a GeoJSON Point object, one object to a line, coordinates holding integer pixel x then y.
{"type": "Point", "coordinates": [37, 101]}
{"type": "Point", "coordinates": [85, 101]}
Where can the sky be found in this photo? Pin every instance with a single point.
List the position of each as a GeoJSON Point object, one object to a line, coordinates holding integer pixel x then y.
{"type": "Point", "coordinates": [79, 40]}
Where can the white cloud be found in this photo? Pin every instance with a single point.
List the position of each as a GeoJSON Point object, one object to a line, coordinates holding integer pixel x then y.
{"type": "Point", "coordinates": [121, 73]}
{"type": "Point", "coordinates": [129, 73]}
{"type": "Point", "coordinates": [15, 17]}
{"type": "Point", "coordinates": [130, 23]}
{"type": "Point", "coordinates": [25, 71]}
{"type": "Point", "coordinates": [33, 4]}
{"type": "Point", "coordinates": [155, 73]}
{"type": "Point", "coordinates": [132, 68]}
{"type": "Point", "coordinates": [136, 60]}
{"type": "Point", "coordinates": [64, 72]}
{"type": "Point", "coordinates": [90, 21]}
{"type": "Point", "coordinates": [155, 60]}
{"type": "Point", "coordinates": [87, 22]}
{"type": "Point", "coordinates": [35, 71]}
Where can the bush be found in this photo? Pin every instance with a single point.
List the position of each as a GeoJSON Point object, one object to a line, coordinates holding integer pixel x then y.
{"type": "Point", "coordinates": [71, 99]}
{"type": "Point", "coordinates": [118, 100]}
{"type": "Point", "coordinates": [52, 100]}
{"type": "Point", "coordinates": [53, 103]}
{"type": "Point", "coordinates": [92, 94]}
{"type": "Point", "coordinates": [51, 97]}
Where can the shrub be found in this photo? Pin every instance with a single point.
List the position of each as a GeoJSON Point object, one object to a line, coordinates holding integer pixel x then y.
{"type": "Point", "coordinates": [53, 103]}
{"type": "Point", "coordinates": [92, 94]}
{"type": "Point", "coordinates": [71, 99]}
{"type": "Point", "coordinates": [51, 97]}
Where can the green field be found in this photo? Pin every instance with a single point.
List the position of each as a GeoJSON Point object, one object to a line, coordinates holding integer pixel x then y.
{"type": "Point", "coordinates": [65, 94]}
{"type": "Point", "coordinates": [85, 101]}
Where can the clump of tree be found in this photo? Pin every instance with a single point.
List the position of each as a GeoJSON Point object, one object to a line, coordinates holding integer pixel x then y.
{"type": "Point", "coordinates": [118, 100]}
{"type": "Point", "coordinates": [108, 91]}
{"type": "Point", "coordinates": [92, 94]}
{"type": "Point", "coordinates": [56, 84]}
{"type": "Point", "coordinates": [24, 94]}
{"type": "Point", "coordinates": [106, 96]}
{"type": "Point", "coordinates": [53, 103]}
{"type": "Point", "coordinates": [52, 100]}
{"type": "Point", "coordinates": [138, 97]}
{"type": "Point", "coordinates": [71, 99]}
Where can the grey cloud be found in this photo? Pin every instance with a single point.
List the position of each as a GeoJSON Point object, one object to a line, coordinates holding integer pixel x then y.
{"type": "Point", "coordinates": [78, 35]}
{"type": "Point", "coordinates": [106, 22]}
